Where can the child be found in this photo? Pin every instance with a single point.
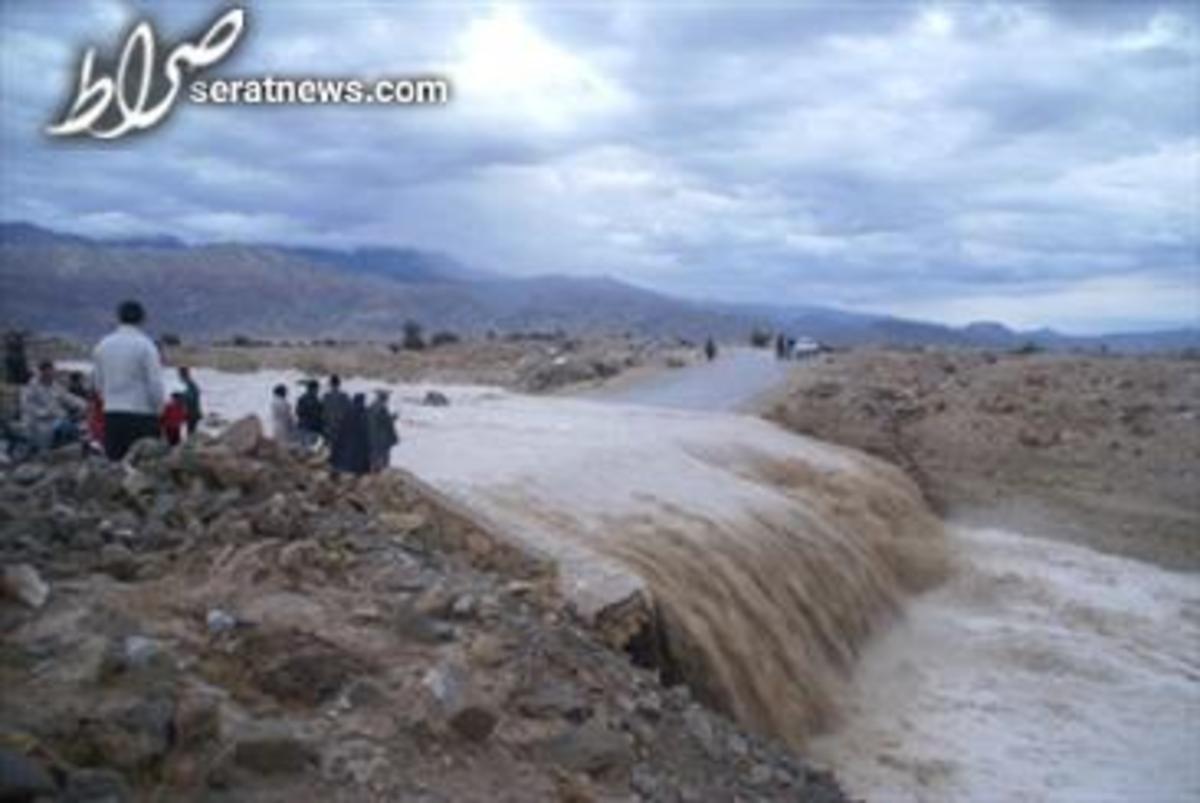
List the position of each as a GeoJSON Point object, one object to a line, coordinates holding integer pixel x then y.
{"type": "Point", "coordinates": [95, 420]}
{"type": "Point", "coordinates": [174, 416]}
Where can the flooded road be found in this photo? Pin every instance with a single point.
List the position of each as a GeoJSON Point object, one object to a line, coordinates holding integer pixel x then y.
{"type": "Point", "coordinates": [728, 383]}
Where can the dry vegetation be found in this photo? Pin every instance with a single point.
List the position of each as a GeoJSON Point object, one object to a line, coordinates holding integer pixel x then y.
{"type": "Point", "coordinates": [1098, 450]}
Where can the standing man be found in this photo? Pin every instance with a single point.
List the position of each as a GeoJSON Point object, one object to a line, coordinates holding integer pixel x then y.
{"type": "Point", "coordinates": [309, 414]}
{"type": "Point", "coordinates": [191, 398]}
{"type": "Point", "coordinates": [335, 407]}
{"type": "Point", "coordinates": [129, 379]}
{"type": "Point", "coordinates": [381, 431]}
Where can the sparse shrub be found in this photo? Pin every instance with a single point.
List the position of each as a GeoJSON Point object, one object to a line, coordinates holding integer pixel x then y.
{"type": "Point", "coordinates": [171, 339]}
{"type": "Point", "coordinates": [760, 338]}
{"type": "Point", "coordinates": [443, 339]}
{"type": "Point", "coordinates": [414, 337]}
{"type": "Point", "coordinates": [1028, 347]}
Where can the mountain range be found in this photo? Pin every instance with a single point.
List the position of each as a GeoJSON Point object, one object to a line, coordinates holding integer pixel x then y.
{"type": "Point", "coordinates": [66, 284]}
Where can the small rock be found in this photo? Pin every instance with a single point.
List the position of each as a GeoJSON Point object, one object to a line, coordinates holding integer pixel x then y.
{"type": "Point", "coordinates": [218, 621]}
{"type": "Point", "coordinates": [464, 607]}
{"type": "Point", "coordinates": [701, 728]}
{"type": "Point", "coordinates": [760, 775]}
{"type": "Point", "coordinates": [554, 699]}
{"type": "Point", "coordinates": [738, 746]}
{"type": "Point", "coordinates": [118, 562]}
{"type": "Point", "coordinates": [22, 778]}
{"type": "Point", "coordinates": [197, 718]}
{"type": "Point", "coordinates": [28, 473]}
{"type": "Point", "coordinates": [422, 628]}
{"type": "Point", "coordinates": [95, 786]}
{"type": "Point", "coordinates": [22, 583]}
{"type": "Point", "coordinates": [446, 682]}
{"type": "Point", "coordinates": [273, 755]}
{"type": "Point", "coordinates": [140, 651]}
{"type": "Point", "coordinates": [593, 748]}
{"type": "Point", "coordinates": [436, 398]}
{"type": "Point", "coordinates": [474, 722]}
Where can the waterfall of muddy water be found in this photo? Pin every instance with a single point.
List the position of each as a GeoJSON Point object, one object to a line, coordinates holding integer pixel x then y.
{"type": "Point", "coordinates": [769, 558]}
{"type": "Point", "coordinates": [765, 612]}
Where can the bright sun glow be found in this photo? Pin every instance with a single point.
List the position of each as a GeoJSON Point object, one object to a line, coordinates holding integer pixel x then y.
{"type": "Point", "coordinates": [509, 68]}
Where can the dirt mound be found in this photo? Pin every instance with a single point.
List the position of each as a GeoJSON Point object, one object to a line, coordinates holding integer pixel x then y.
{"type": "Point", "coordinates": [225, 621]}
{"type": "Point", "coordinates": [1094, 449]}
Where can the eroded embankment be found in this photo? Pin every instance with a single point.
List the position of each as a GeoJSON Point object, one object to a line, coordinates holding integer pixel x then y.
{"type": "Point", "coordinates": [751, 562]}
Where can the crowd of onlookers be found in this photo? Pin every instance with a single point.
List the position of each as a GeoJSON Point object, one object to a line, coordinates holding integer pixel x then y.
{"type": "Point", "coordinates": [126, 402]}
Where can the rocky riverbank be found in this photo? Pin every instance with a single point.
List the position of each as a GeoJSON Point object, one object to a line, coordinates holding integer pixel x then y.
{"type": "Point", "coordinates": [225, 621]}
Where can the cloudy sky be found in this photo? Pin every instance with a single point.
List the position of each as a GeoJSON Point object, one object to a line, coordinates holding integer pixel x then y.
{"type": "Point", "coordinates": [1029, 163]}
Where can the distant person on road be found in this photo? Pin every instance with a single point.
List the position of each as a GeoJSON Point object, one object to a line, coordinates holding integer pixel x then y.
{"type": "Point", "coordinates": [128, 376]}
{"type": "Point", "coordinates": [191, 397]}
{"type": "Point", "coordinates": [710, 350]}
{"type": "Point", "coordinates": [381, 431]}
{"type": "Point", "coordinates": [174, 417]}
{"type": "Point", "coordinates": [309, 414]}
{"type": "Point", "coordinates": [780, 347]}
{"type": "Point", "coordinates": [283, 423]}
{"type": "Point", "coordinates": [334, 407]}
{"type": "Point", "coordinates": [16, 364]}
{"type": "Point", "coordinates": [351, 447]}
{"type": "Point", "coordinates": [49, 412]}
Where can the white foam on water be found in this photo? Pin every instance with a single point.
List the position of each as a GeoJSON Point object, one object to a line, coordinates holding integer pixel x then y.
{"type": "Point", "coordinates": [1039, 671]}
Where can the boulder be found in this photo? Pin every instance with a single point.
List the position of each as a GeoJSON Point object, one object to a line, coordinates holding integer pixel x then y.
{"type": "Point", "coordinates": [22, 583]}
{"type": "Point", "coordinates": [22, 778]}
{"type": "Point", "coordinates": [242, 436]}
{"type": "Point", "coordinates": [435, 398]}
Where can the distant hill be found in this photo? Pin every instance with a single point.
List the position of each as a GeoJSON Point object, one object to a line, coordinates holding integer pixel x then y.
{"type": "Point", "coordinates": [67, 284]}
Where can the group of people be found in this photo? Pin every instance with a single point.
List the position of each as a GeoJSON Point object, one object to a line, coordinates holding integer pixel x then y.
{"type": "Point", "coordinates": [127, 402]}
{"type": "Point", "coordinates": [360, 436]}
{"type": "Point", "coordinates": [124, 402]}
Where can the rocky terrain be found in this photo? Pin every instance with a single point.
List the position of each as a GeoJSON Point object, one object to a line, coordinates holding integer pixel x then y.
{"type": "Point", "coordinates": [68, 284]}
{"type": "Point", "coordinates": [1097, 450]}
{"type": "Point", "coordinates": [533, 364]}
{"type": "Point", "coordinates": [226, 621]}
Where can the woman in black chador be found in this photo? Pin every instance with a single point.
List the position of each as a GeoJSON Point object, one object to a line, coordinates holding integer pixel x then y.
{"type": "Point", "coordinates": [351, 445]}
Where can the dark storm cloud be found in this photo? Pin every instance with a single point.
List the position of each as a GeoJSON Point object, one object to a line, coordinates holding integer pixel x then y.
{"type": "Point", "coordinates": [956, 161]}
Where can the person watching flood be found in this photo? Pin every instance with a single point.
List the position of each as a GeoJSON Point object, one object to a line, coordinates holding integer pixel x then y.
{"type": "Point", "coordinates": [128, 376]}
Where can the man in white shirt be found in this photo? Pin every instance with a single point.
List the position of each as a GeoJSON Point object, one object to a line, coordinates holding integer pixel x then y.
{"type": "Point", "coordinates": [128, 376]}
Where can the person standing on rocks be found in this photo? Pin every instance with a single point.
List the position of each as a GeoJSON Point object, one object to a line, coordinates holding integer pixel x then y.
{"type": "Point", "coordinates": [16, 364]}
{"type": "Point", "coordinates": [381, 431]}
{"type": "Point", "coordinates": [283, 423]}
{"type": "Point", "coordinates": [309, 414]}
{"type": "Point", "coordinates": [351, 446]}
{"type": "Point", "coordinates": [334, 407]}
{"type": "Point", "coordinates": [191, 397]}
{"type": "Point", "coordinates": [128, 376]}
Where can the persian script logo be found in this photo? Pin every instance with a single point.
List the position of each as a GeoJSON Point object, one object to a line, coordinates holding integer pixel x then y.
{"type": "Point", "coordinates": [111, 106]}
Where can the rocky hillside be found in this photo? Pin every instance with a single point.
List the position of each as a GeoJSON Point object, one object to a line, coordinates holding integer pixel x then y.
{"type": "Point", "coordinates": [58, 283]}
{"type": "Point", "coordinates": [224, 621]}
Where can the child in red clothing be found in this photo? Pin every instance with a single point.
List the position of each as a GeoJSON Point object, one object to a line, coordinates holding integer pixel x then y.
{"type": "Point", "coordinates": [174, 416]}
{"type": "Point", "coordinates": [95, 420]}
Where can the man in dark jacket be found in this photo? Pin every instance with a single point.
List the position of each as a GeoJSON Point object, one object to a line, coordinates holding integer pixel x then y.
{"type": "Point", "coordinates": [335, 406]}
{"type": "Point", "coordinates": [381, 430]}
{"type": "Point", "coordinates": [309, 414]}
